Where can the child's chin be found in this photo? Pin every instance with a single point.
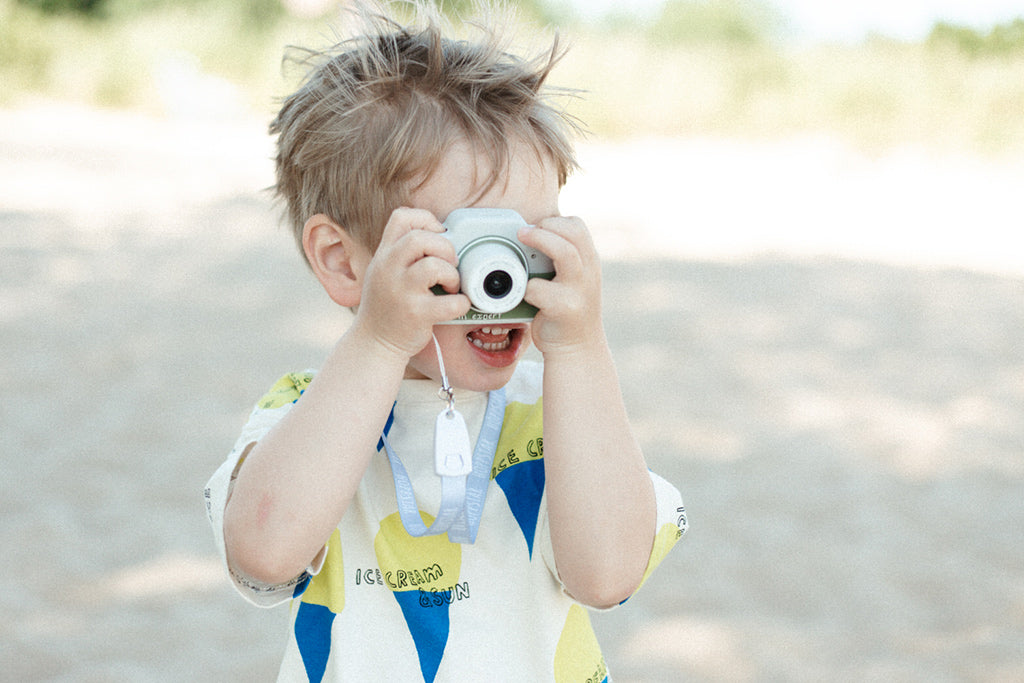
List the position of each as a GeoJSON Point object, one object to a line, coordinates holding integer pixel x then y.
{"type": "Point", "coordinates": [487, 380]}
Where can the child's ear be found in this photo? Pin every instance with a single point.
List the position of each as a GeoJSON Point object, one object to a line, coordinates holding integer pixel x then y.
{"type": "Point", "coordinates": [337, 260]}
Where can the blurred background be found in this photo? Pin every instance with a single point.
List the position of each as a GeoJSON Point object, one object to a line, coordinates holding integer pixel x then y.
{"type": "Point", "coordinates": [810, 221]}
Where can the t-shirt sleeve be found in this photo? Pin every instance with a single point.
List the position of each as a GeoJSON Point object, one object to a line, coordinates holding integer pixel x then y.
{"type": "Point", "coordinates": [267, 413]}
{"type": "Point", "coordinates": [670, 525]}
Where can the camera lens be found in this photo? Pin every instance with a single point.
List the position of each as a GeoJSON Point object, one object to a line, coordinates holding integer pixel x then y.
{"type": "Point", "coordinates": [497, 284]}
{"type": "Point", "coordinates": [492, 273]}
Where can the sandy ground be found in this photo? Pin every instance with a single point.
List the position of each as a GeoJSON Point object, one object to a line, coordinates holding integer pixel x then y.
{"type": "Point", "coordinates": [821, 349]}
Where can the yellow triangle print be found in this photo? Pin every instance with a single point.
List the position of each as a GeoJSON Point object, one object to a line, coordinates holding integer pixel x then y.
{"type": "Point", "coordinates": [328, 587]}
{"type": "Point", "coordinates": [578, 656]}
{"type": "Point", "coordinates": [286, 390]}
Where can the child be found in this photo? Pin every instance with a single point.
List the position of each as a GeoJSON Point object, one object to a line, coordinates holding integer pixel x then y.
{"type": "Point", "coordinates": [390, 133]}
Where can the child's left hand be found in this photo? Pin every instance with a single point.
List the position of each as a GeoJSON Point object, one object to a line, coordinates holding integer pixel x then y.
{"type": "Point", "coordinates": [588, 443]}
{"type": "Point", "coordinates": [569, 319]}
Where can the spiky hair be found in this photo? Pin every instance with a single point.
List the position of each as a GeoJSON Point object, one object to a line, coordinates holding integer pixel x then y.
{"type": "Point", "coordinates": [378, 110]}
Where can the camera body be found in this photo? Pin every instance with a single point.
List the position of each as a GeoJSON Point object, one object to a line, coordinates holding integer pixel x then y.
{"type": "Point", "coordinates": [494, 266]}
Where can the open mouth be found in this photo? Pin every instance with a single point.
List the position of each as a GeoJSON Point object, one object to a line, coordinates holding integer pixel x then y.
{"type": "Point", "coordinates": [493, 339]}
{"type": "Point", "coordinates": [499, 346]}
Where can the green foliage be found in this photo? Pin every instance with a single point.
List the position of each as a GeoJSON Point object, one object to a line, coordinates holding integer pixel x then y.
{"type": "Point", "coordinates": [260, 15]}
{"type": "Point", "coordinates": [729, 22]}
{"type": "Point", "coordinates": [1002, 40]}
{"type": "Point", "coordinates": [699, 67]}
{"type": "Point", "coordinates": [116, 58]}
{"type": "Point", "coordinates": [86, 7]}
{"type": "Point", "coordinates": [541, 11]}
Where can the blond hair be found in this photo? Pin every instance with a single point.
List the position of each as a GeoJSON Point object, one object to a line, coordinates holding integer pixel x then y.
{"type": "Point", "coordinates": [377, 112]}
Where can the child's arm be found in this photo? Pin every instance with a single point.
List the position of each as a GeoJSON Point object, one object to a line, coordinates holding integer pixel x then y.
{"type": "Point", "coordinates": [601, 505]}
{"type": "Point", "coordinates": [296, 483]}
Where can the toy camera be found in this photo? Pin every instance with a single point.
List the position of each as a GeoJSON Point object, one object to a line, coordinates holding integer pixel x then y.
{"type": "Point", "coordinates": [494, 266]}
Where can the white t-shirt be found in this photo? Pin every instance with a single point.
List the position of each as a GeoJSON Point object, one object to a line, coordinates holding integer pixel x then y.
{"type": "Point", "coordinates": [385, 606]}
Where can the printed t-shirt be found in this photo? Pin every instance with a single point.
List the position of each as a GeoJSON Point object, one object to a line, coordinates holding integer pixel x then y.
{"type": "Point", "coordinates": [386, 606]}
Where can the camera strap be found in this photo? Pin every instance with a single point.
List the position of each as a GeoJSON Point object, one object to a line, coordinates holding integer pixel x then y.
{"type": "Point", "coordinates": [465, 474]}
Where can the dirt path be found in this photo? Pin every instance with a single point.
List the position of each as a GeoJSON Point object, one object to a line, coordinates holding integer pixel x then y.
{"type": "Point", "coordinates": [847, 432]}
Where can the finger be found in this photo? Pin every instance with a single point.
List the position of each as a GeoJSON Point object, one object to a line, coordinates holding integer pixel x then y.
{"type": "Point", "coordinates": [551, 298]}
{"type": "Point", "coordinates": [404, 220]}
{"type": "Point", "coordinates": [419, 244]}
{"type": "Point", "coordinates": [563, 253]}
{"type": "Point", "coordinates": [571, 229]}
{"type": "Point", "coordinates": [430, 271]}
{"type": "Point", "coordinates": [448, 307]}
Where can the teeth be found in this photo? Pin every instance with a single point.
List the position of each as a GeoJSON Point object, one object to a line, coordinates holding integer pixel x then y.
{"type": "Point", "coordinates": [495, 346]}
{"type": "Point", "coordinates": [501, 333]}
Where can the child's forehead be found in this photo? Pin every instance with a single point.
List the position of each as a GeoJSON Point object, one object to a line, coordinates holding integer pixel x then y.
{"type": "Point", "coordinates": [464, 176]}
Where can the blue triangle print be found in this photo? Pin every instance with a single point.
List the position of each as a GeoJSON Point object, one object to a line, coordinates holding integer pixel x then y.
{"type": "Point", "coordinates": [523, 485]}
{"type": "Point", "coordinates": [313, 636]}
{"type": "Point", "coordinates": [429, 628]}
{"type": "Point", "coordinates": [387, 427]}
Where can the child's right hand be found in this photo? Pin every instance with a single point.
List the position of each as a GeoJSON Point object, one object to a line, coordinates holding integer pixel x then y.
{"type": "Point", "coordinates": [397, 307]}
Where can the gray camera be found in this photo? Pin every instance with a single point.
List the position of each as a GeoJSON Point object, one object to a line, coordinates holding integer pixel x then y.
{"type": "Point", "coordinates": [494, 266]}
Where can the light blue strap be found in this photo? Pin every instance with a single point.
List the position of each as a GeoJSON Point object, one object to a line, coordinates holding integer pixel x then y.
{"type": "Point", "coordinates": [466, 525]}
{"type": "Point", "coordinates": [462, 498]}
{"type": "Point", "coordinates": [453, 496]}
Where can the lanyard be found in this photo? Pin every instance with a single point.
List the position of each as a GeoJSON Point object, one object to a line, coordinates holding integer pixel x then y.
{"type": "Point", "coordinates": [462, 492]}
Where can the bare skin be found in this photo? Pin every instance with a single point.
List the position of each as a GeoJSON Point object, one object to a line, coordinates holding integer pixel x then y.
{"type": "Point", "coordinates": [297, 483]}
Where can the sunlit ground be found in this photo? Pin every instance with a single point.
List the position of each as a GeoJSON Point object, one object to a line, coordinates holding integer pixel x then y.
{"type": "Point", "coordinates": [819, 343]}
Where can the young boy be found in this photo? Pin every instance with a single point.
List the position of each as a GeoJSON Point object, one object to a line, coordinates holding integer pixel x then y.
{"type": "Point", "coordinates": [393, 131]}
